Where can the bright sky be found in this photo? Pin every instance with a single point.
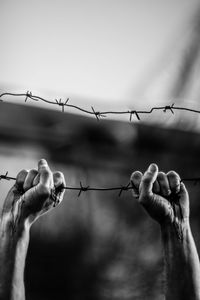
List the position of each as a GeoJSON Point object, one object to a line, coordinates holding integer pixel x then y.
{"type": "Point", "coordinates": [94, 51]}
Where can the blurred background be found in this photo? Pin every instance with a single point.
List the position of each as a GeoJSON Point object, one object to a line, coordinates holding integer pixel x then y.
{"type": "Point", "coordinates": [112, 55]}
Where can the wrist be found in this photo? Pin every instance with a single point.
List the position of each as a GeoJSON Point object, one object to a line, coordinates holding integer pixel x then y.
{"type": "Point", "coordinates": [167, 224]}
{"type": "Point", "coordinates": [178, 229]}
{"type": "Point", "coordinates": [13, 226]}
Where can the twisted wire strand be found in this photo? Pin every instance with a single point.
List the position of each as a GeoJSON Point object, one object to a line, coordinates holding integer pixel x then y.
{"type": "Point", "coordinates": [121, 189]}
{"type": "Point", "coordinates": [99, 114]}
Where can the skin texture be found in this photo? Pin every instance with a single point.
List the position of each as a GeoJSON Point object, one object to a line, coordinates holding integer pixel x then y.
{"type": "Point", "coordinates": [34, 193]}
{"type": "Point", "coordinates": [166, 200]}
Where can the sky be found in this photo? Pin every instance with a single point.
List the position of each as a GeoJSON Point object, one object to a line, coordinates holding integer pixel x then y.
{"type": "Point", "coordinates": [96, 53]}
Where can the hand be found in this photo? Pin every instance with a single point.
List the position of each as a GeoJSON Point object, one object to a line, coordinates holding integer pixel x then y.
{"type": "Point", "coordinates": [34, 193]}
{"type": "Point", "coordinates": [164, 196]}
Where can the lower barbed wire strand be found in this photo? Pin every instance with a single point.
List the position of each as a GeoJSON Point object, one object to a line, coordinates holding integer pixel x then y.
{"type": "Point", "coordinates": [82, 188]}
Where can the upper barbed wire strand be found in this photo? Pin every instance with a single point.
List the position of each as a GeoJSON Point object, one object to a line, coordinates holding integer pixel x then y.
{"type": "Point", "coordinates": [98, 114]}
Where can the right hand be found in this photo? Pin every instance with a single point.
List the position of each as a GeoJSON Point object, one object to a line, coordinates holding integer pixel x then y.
{"type": "Point", "coordinates": [163, 196]}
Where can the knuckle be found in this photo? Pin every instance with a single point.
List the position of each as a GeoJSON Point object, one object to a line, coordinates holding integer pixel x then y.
{"type": "Point", "coordinates": [44, 191]}
{"type": "Point", "coordinates": [22, 172]}
{"type": "Point", "coordinates": [146, 180]}
{"type": "Point", "coordinates": [173, 174]}
{"type": "Point", "coordinates": [21, 176]}
{"type": "Point", "coordinates": [46, 172]}
{"type": "Point", "coordinates": [58, 174]}
{"type": "Point", "coordinates": [136, 175]}
{"type": "Point", "coordinates": [58, 178]}
{"type": "Point", "coordinates": [148, 174]}
{"type": "Point", "coordinates": [161, 175]}
{"type": "Point", "coordinates": [33, 172]}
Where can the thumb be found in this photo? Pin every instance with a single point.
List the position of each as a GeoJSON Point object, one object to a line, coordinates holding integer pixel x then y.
{"type": "Point", "coordinates": [183, 190]}
{"type": "Point", "coordinates": [184, 201]}
{"type": "Point", "coordinates": [148, 180]}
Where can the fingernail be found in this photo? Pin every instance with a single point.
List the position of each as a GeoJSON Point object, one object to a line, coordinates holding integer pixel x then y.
{"type": "Point", "coordinates": [43, 161]}
{"type": "Point", "coordinates": [152, 168]}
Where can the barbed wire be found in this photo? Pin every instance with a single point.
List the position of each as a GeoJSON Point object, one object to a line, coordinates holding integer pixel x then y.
{"type": "Point", "coordinates": [98, 114]}
{"type": "Point", "coordinates": [29, 96]}
{"type": "Point", "coordinates": [120, 189]}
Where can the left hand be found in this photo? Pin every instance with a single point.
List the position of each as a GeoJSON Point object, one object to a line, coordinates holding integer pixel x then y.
{"type": "Point", "coordinates": [34, 193]}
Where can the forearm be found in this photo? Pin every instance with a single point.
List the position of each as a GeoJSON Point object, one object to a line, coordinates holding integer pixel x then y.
{"type": "Point", "coordinates": [33, 194]}
{"type": "Point", "coordinates": [14, 239]}
{"type": "Point", "coordinates": [182, 263]}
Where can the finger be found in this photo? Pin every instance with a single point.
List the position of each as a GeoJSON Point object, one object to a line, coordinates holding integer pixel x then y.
{"type": "Point", "coordinates": [136, 178]}
{"type": "Point", "coordinates": [184, 202]}
{"type": "Point", "coordinates": [148, 180]}
{"type": "Point", "coordinates": [183, 190]}
{"type": "Point", "coordinates": [58, 179]}
{"type": "Point", "coordinates": [59, 184]}
{"type": "Point", "coordinates": [174, 181]}
{"type": "Point", "coordinates": [21, 176]}
{"type": "Point", "coordinates": [36, 180]}
{"type": "Point", "coordinates": [28, 182]}
{"type": "Point", "coordinates": [156, 187]}
{"type": "Point", "coordinates": [45, 173]}
{"type": "Point", "coordinates": [164, 184]}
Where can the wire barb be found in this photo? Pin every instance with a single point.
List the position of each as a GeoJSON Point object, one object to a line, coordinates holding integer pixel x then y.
{"type": "Point", "coordinates": [97, 114]}
{"type": "Point", "coordinates": [28, 95]}
{"type": "Point", "coordinates": [82, 189]}
{"type": "Point", "coordinates": [170, 108]}
{"type": "Point", "coordinates": [62, 104]}
{"type": "Point", "coordinates": [124, 188]}
{"type": "Point", "coordinates": [4, 176]}
{"type": "Point", "coordinates": [134, 112]}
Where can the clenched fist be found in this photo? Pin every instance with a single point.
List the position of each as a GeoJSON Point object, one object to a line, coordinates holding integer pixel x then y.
{"type": "Point", "coordinates": [163, 195]}
{"type": "Point", "coordinates": [34, 193]}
